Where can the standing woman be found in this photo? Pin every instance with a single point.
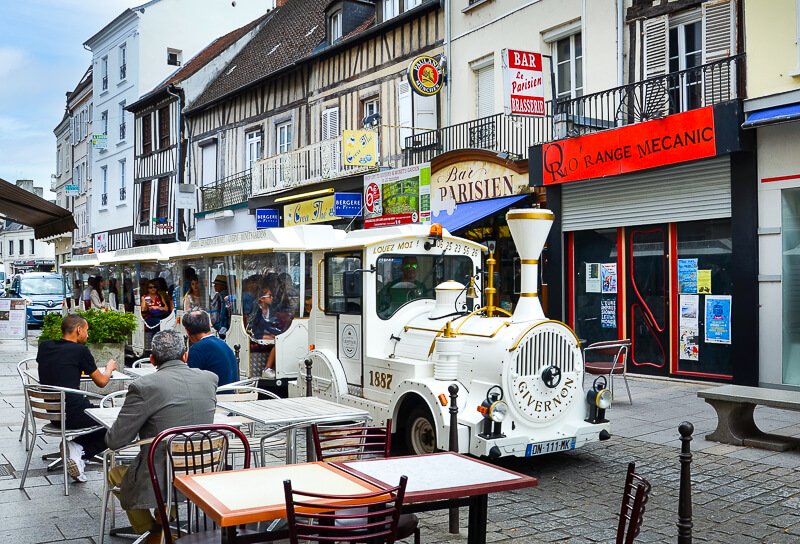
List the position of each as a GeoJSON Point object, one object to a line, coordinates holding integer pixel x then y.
{"type": "Point", "coordinates": [96, 294]}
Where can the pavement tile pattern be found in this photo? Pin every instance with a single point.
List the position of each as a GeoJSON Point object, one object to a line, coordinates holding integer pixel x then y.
{"type": "Point", "coordinates": [740, 495]}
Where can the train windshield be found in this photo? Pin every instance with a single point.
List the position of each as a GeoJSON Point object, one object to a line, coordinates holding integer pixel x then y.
{"type": "Point", "coordinates": [405, 278]}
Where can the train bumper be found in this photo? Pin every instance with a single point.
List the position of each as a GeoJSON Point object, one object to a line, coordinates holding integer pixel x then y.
{"type": "Point", "coordinates": [540, 443]}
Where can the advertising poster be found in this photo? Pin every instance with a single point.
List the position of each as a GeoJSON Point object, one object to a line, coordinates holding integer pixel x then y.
{"type": "Point", "coordinates": [718, 319]}
{"type": "Point", "coordinates": [704, 281]}
{"type": "Point", "coordinates": [608, 313]}
{"type": "Point", "coordinates": [395, 197]}
{"type": "Point", "coordinates": [689, 341]}
{"type": "Point", "coordinates": [687, 275]}
{"type": "Point", "coordinates": [608, 277]}
{"type": "Point", "coordinates": [593, 278]}
{"type": "Point", "coordinates": [12, 319]}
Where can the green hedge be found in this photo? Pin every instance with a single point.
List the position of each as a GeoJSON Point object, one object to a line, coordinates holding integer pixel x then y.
{"type": "Point", "coordinates": [104, 326]}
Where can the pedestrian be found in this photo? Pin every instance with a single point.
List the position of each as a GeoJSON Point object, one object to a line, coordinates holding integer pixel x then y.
{"type": "Point", "coordinates": [207, 352]}
{"type": "Point", "coordinates": [173, 396]}
{"type": "Point", "coordinates": [61, 363]}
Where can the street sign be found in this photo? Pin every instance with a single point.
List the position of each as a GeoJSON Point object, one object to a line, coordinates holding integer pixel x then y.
{"type": "Point", "coordinates": [267, 218]}
{"type": "Point", "coordinates": [72, 189]}
{"type": "Point", "coordinates": [347, 204]}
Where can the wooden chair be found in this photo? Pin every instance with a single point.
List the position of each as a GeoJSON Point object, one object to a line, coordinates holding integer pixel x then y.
{"type": "Point", "coordinates": [350, 442]}
{"type": "Point", "coordinates": [375, 521]}
{"type": "Point", "coordinates": [634, 499]}
{"type": "Point", "coordinates": [608, 358]}
{"type": "Point", "coordinates": [48, 403]}
{"type": "Point", "coordinates": [192, 449]}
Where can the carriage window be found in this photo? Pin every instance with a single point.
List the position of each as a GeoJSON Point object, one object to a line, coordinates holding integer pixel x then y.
{"type": "Point", "coordinates": [270, 287]}
{"type": "Point", "coordinates": [404, 278]}
{"type": "Point", "coordinates": [340, 283]}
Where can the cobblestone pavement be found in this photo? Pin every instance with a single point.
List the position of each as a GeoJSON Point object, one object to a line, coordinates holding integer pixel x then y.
{"type": "Point", "coordinates": [741, 495]}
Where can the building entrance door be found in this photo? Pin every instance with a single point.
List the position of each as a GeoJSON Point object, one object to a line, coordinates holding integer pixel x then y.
{"type": "Point", "coordinates": [647, 296]}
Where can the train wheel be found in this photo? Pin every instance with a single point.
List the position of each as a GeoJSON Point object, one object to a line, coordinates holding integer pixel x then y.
{"type": "Point", "coordinates": [420, 432]}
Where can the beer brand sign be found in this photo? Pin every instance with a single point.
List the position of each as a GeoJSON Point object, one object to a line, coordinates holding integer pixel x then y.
{"type": "Point", "coordinates": [472, 180]}
{"type": "Point", "coordinates": [676, 138]}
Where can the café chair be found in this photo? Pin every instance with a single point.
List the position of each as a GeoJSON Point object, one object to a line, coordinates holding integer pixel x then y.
{"type": "Point", "coordinates": [634, 499]}
{"type": "Point", "coordinates": [608, 358]}
{"type": "Point", "coordinates": [347, 443]}
{"type": "Point", "coordinates": [191, 449]}
{"type": "Point", "coordinates": [48, 403]}
{"type": "Point", "coordinates": [24, 367]}
{"type": "Point", "coordinates": [376, 519]}
{"type": "Point", "coordinates": [144, 362]}
{"type": "Point", "coordinates": [259, 441]}
{"type": "Point", "coordinates": [112, 458]}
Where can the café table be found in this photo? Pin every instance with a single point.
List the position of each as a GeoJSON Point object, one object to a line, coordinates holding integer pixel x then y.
{"type": "Point", "coordinates": [139, 371]}
{"type": "Point", "coordinates": [293, 413]}
{"type": "Point", "coordinates": [107, 416]}
{"type": "Point", "coordinates": [435, 481]}
{"type": "Point", "coordinates": [118, 381]}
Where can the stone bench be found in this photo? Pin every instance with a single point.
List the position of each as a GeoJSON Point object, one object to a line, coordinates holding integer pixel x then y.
{"type": "Point", "coordinates": [735, 424]}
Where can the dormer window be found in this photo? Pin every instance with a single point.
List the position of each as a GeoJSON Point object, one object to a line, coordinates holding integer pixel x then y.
{"type": "Point", "coordinates": [335, 26]}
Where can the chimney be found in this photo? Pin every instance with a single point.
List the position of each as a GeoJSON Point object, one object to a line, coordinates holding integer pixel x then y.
{"type": "Point", "coordinates": [529, 228]}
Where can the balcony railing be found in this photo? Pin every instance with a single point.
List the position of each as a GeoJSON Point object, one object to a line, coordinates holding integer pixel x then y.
{"type": "Point", "coordinates": [122, 71]}
{"type": "Point", "coordinates": [105, 83]}
{"type": "Point", "coordinates": [122, 194]}
{"type": "Point", "coordinates": [228, 191]}
{"type": "Point", "coordinates": [653, 98]}
{"type": "Point", "coordinates": [122, 131]}
{"type": "Point", "coordinates": [104, 199]}
{"type": "Point", "coordinates": [305, 166]}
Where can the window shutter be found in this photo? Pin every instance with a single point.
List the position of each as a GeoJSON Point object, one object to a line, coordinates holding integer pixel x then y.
{"type": "Point", "coordinates": [655, 47]}
{"type": "Point", "coordinates": [425, 112]}
{"type": "Point", "coordinates": [485, 91]}
{"type": "Point", "coordinates": [405, 111]}
{"type": "Point", "coordinates": [719, 35]}
{"type": "Point", "coordinates": [330, 131]}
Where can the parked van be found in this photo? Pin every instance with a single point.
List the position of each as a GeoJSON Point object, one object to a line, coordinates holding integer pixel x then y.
{"type": "Point", "coordinates": [44, 291]}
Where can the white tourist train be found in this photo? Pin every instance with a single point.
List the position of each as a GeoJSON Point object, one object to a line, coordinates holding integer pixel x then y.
{"type": "Point", "coordinates": [389, 319]}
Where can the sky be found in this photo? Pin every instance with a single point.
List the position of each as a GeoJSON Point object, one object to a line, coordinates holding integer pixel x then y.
{"type": "Point", "coordinates": [41, 59]}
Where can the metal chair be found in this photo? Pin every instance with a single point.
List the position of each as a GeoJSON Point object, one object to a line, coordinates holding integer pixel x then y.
{"type": "Point", "coordinates": [309, 522]}
{"type": "Point", "coordinates": [189, 450]}
{"type": "Point", "coordinates": [241, 392]}
{"type": "Point", "coordinates": [356, 443]}
{"type": "Point", "coordinates": [631, 513]}
{"type": "Point", "coordinates": [608, 358]}
{"type": "Point", "coordinates": [112, 458]}
{"type": "Point", "coordinates": [23, 369]}
{"type": "Point", "coordinates": [144, 362]}
{"type": "Point", "coordinates": [47, 402]}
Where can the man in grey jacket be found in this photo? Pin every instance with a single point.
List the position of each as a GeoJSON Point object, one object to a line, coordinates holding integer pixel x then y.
{"type": "Point", "coordinates": [173, 396]}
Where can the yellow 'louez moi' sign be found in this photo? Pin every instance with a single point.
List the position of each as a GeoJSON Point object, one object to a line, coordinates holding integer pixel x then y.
{"type": "Point", "coordinates": [360, 147]}
{"type": "Point", "coordinates": [317, 210]}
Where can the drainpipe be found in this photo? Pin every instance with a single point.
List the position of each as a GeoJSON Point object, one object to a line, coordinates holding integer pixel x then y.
{"type": "Point", "coordinates": [445, 4]}
{"type": "Point", "coordinates": [178, 161]}
{"type": "Point", "coordinates": [620, 43]}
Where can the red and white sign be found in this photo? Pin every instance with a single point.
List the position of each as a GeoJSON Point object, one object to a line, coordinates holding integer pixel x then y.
{"type": "Point", "coordinates": [676, 138]}
{"type": "Point", "coordinates": [390, 220]}
{"type": "Point", "coordinates": [523, 91]}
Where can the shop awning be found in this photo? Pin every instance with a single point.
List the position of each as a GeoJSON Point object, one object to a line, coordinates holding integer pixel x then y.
{"type": "Point", "coordinates": [469, 212]}
{"type": "Point", "coordinates": [772, 116]}
{"type": "Point", "coordinates": [27, 209]}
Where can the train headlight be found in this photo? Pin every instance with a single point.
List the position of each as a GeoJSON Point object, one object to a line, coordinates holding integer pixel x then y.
{"type": "Point", "coordinates": [494, 411]}
{"type": "Point", "coordinates": [599, 400]}
{"type": "Point", "coordinates": [498, 411]}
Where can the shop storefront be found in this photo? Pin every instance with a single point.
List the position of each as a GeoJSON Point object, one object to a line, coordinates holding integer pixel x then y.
{"type": "Point", "coordinates": [656, 226]}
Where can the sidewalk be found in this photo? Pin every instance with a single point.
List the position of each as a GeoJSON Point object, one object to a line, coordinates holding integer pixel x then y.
{"type": "Point", "coordinates": [741, 495]}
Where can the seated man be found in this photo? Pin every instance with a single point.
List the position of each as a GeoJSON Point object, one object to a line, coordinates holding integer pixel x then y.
{"type": "Point", "coordinates": [209, 352]}
{"type": "Point", "coordinates": [174, 395]}
{"type": "Point", "coordinates": [61, 363]}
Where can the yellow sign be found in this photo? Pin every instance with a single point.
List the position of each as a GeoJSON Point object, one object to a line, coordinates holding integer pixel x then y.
{"type": "Point", "coordinates": [360, 147]}
{"type": "Point", "coordinates": [317, 210]}
{"type": "Point", "coordinates": [704, 281]}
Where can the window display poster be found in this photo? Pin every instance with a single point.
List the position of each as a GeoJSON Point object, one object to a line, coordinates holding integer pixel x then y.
{"type": "Point", "coordinates": [608, 277]}
{"type": "Point", "coordinates": [718, 319]}
{"type": "Point", "coordinates": [704, 281]}
{"type": "Point", "coordinates": [593, 278]}
{"type": "Point", "coordinates": [608, 313]}
{"type": "Point", "coordinates": [689, 340]}
{"type": "Point", "coordinates": [687, 275]}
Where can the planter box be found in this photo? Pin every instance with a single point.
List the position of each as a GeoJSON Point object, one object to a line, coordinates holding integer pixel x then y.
{"type": "Point", "coordinates": [103, 352]}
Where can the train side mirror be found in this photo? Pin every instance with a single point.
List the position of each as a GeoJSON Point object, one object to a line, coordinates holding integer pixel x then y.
{"type": "Point", "coordinates": [351, 284]}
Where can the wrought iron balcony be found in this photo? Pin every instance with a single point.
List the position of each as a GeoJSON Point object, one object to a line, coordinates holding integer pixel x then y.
{"type": "Point", "coordinates": [653, 98]}
{"type": "Point", "coordinates": [122, 131]}
{"type": "Point", "coordinates": [311, 164]}
{"type": "Point", "coordinates": [104, 199]}
{"type": "Point", "coordinates": [105, 82]}
{"type": "Point", "coordinates": [122, 194]}
{"type": "Point", "coordinates": [122, 71]}
{"type": "Point", "coordinates": [227, 191]}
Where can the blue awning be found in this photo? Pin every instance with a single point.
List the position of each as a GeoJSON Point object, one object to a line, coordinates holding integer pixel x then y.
{"type": "Point", "coordinates": [772, 116]}
{"type": "Point", "coordinates": [469, 212]}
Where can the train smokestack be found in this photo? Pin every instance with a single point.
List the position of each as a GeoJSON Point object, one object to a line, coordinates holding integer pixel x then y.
{"type": "Point", "coordinates": [529, 228]}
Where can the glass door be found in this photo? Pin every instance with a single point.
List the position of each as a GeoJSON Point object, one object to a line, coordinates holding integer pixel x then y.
{"type": "Point", "coordinates": [647, 299]}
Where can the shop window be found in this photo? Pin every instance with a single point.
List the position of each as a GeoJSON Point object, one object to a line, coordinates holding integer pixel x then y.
{"type": "Point", "coordinates": [704, 303]}
{"type": "Point", "coordinates": [595, 302]}
{"type": "Point", "coordinates": [790, 285]}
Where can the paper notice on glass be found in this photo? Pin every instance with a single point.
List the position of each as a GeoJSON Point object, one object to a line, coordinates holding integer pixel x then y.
{"type": "Point", "coordinates": [608, 277]}
{"type": "Point", "coordinates": [5, 304]}
{"type": "Point", "coordinates": [718, 319]}
{"type": "Point", "coordinates": [17, 315]}
{"type": "Point", "coordinates": [593, 278]}
{"type": "Point", "coordinates": [687, 275]}
{"type": "Point", "coordinates": [689, 338]}
{"type": "Point", "coordinates": [704, 281]}
{"type": "Point", "coordinates": [608, 313]}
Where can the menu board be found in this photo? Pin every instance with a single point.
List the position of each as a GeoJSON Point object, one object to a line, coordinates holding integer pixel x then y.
{"type": "Point", "coordinates": [12, 318]}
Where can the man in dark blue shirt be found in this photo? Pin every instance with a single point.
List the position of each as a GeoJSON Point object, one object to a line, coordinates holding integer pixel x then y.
{"type": "Point", "coordinates": [209, 352]}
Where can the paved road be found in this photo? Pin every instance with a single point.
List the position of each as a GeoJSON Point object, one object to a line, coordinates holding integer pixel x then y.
{"type": "Point", "coordinates": [741, 495]}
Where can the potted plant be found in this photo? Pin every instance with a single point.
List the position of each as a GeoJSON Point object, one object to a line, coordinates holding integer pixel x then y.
{"type": "Point", "coordinates": [108, 332]}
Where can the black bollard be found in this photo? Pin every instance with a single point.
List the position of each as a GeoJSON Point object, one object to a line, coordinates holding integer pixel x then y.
{"type": "Point", "coordinates": [685, 495]}
{"type": "Point", "coordinates": [309, 435]}
{"type": "Point", "coordinates": [453, 390]}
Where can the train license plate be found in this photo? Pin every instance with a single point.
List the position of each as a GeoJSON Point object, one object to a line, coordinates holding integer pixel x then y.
{"type": "Point", "coordinates": [551, 446]}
